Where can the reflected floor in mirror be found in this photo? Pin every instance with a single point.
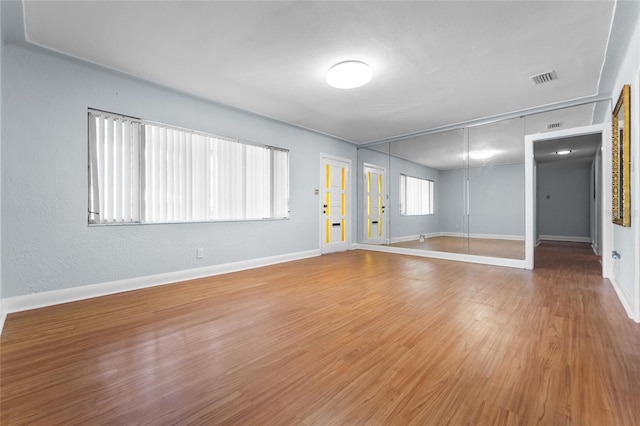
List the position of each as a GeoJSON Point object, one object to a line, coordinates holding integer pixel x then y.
{"type": "Point", "coordinates": [509, 249]}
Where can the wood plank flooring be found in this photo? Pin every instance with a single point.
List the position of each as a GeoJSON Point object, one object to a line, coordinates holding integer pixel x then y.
{"type": "Point", "coordinates": [351, 338]}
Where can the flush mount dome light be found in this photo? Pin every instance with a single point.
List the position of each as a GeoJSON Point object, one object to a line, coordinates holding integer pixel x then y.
{"type": "Point", "coordinates": [349, 75]}
{"type": "Point", "coordinates": [564, 152]}
{"type": "Point", "coordinates": [481, 155]}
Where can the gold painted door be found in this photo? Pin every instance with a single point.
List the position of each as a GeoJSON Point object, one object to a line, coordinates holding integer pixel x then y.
{"type": "Point", "coordinates": [335, 224]}
{"type": "Point", "coordinates": [374, 208]}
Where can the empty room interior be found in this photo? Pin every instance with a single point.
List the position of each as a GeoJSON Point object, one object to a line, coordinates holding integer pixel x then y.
{"type": "Point", "coordinates": [318, 213]}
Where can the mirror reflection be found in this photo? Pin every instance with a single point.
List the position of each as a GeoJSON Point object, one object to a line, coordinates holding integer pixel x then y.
{"type": "Point", "coordinates": [460, 191]}
{"type": "Point", "coordinates": [372, 212]}
{"type": "Point", "coordinates": [427, 170]}
{"type": "Point", "coordinates": [496, 189]}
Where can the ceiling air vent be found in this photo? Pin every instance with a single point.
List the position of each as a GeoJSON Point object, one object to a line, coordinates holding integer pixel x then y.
{"type": "Point", "coordinates": [545, 77]}
{"type": "Point", "coordinates": [553, 125]}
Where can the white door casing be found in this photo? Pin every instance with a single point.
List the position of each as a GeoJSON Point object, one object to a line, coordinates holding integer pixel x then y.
{"type": "Point", "coordinates": [530, 189]}
{"type": "Point", "coordinates": [335, 201]}
{"type": "Point", "coordinates": [375, 229]}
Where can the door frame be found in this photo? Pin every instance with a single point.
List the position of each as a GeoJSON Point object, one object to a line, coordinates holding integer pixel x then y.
{"type": "Point", "coordinates": [530, 189]}
{"type": "Point", "coordinates": [348, 197]}
{"type": "Point", "coordinates": [385, 191]}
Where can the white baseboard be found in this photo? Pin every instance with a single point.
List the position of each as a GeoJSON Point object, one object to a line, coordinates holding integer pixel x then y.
{"type": "Point", "coordinates": [403, 239]}
{"type": "Point", "coordinates": [66, 295]}
{"type": "Point", "coordinates": [458, 235]}
{"type": "Point", "coordinates": [413, 237]}
{"type": "Point", "coordinates": [635, 316]}
{"type": "Point", "coordinates": [3, 316]}
{"type": "Point", "coordinates": [566, 238]}
{"type": "Point", "coordinates": [484, 236]}
{"type": "Point", "coordinates": [470, 258]}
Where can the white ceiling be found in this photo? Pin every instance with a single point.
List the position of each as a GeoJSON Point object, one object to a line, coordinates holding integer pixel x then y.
{"type": "Point", "coordinates": [582, 148]}
{"type": "Point", "coordinates": [435, 63]}
{"type": "Point", "coordinates": [447, 150]}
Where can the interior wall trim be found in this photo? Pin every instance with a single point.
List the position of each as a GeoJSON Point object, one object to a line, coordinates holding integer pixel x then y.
{"type": "Point", "coordinates": [3, 316]}
{"type": "Point", "coordinates": [483, 260]}
{"type": "Point", "coordinates": [566, 238]}
{"type": "Point", "coordinates": [484, 236]}
{"type": "Point", "coordinates": [626, 304]}
{"type": "Point", "coordinates": [414, 237]}
{"type": "Point", "coordinates": [66, 295]}
{"type": "Point", "coordinates": [491, 119]}
{"type": "Point", "coordinates": [458, 235]}
{"type": "Point", "coordinates": [530, 187]}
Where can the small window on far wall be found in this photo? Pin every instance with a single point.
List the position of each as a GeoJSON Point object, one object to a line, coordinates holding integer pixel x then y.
{"type": "Point", "coordinates": [145, 172]}
{"type": "Point", "coordinates": [416, 196]}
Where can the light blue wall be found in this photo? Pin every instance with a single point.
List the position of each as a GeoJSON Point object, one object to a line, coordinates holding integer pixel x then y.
{"type": "Point", "coordinates": [496, 200]}
{"type": "Point", "coordinates": [46, 242]}
{"type": "Point", "coordinates": [451, 199]}
{"type": "Point", "coordinates": [626, 240]}
{"type": "Point", "coordinates": [1, 66]}
{"type": "Point", "coordinates": [402, 226]}
{"type": "Point", "coordinates": [399, 226]}
{"type": "Point", "coordinates": [564, 201]}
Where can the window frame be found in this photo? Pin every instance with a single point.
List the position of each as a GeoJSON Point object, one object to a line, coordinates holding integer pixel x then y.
{"type": "Point", "coordinates": [403, 195]}
{"type": "Point", "coordinates": [92, 183]}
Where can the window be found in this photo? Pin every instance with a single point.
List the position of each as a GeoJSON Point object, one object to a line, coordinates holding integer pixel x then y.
{"type": "Point", "coordinates": [416, 196]}
{"type": "Point", "coordinates": [143, 172]}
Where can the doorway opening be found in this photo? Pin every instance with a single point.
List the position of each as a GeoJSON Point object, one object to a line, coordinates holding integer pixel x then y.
{"type": "Point", "coordinates": [566, 192]}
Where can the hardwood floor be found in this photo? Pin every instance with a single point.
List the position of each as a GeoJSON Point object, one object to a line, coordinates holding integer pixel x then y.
{"type": "Point", "coordinates": [510, 249]}
{"type": "Point", "coordinates": [352, 338]}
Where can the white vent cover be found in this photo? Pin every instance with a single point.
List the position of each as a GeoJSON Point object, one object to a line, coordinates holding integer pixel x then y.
{"type": "Point", "coordinates": [545, 77]}
{"type": "Point", "coordinates": [553, 125]}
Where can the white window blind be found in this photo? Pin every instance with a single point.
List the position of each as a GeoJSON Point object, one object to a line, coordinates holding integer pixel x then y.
{"type": "Point", "coordinates": [280, 184]}
{"type": "Point", "coordinates": [177, 185]}
{"type": "Point", "coordinates": [114, 169]}
{"type": "Point", "coordinates": [143, 172]}
{"type": "Point", "coordinates": [416, 196]}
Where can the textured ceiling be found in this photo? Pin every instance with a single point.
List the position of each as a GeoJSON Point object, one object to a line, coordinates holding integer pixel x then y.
{"type": "Point", "coordinates": [435, 63]}
{"type": "Point", "coordinates": [447, 150]}
{"type": "Point", "coordinates": [582, 148]}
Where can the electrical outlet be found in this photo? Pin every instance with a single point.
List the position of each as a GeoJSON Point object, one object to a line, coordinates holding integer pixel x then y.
{"type": "Point", "coordinates": [199, 253]}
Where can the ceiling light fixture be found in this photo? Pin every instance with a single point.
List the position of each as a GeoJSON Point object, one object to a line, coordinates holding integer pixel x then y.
{"type": "Point", "coordinates": [349, 75]}
{"type": "Point", "coordinates": [481, 155]}
{"type": "Point", "coordinates": [564, 152]}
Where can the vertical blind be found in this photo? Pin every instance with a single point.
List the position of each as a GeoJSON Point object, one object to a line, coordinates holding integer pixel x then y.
{"type": "Point", "coordinates": [114, 169]}
{"type": "Point", "coordinates": [416, 196]}
{"type": "Point", "coordinates": [143, 172]}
